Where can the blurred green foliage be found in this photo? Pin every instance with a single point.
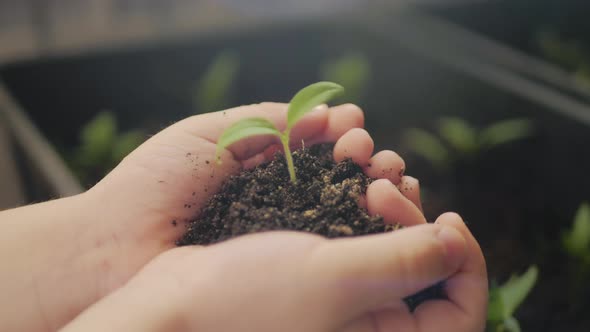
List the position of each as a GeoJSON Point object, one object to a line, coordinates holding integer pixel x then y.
{"type": "Point", "coordinates": [505, 299]}
{"type": "Point", "coordinates": [213, 91]}
{"type": "Point", "coordinates": [571, 55]}
{"type": "Point", "coordinates": [457, 139]}
{"type": "Point", "coordinates": [576, 241]}
{"type": "Point", "coordinates": [102, 147]}
{"type": "Point", "coordinates": [352, 71]}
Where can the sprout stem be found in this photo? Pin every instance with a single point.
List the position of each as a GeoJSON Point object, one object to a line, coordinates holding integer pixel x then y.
{"type": "Point", "coordinates": [288, 156]}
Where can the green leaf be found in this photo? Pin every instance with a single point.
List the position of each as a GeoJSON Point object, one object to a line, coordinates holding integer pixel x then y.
{"type": "Point", "coordinates": [459, 134]}
{"type": "Point", "coordinates": [570, 54]}
{"type": "Point", "coordinates": [577, 240]}
{"type": "Point", "coordinates": [352, 71]}
{"type": "Point", "coordinates": [515, 290]}
{"type": "Point", "coordinates": [504, 300]}
{"type": "Point", "coordinates": [495, 305]}
{"type": "Point", "coordinates": [505, 132]}
{"type": "Point", "coordinates": [245, 128]}
{"type": "Point", "coordinates": [308, 98]}
{"type": "Point", "coordinates": [427, 146]}
{"type": "Point", "coordinates": [124, 144]}
{"type": "Point", "coordinates": [214, 88]}
{"type": "Point", "coordinates": [511, 325]}
{"type": "Point", "coordinates": [97, 138]}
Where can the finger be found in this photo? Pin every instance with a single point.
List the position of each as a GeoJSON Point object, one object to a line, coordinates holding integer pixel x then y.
{"type": "Point", "coordinates": [466, 290]}
{"type": "Point", "coordinates": [254, 161]}
{"type": "Point", "coordinates": [301, 132]}
{"type": "Point", "coordinates": [357, 145]}
{"type": "Point", "coordinates": [410, 188]}
{"type": "Point", "coordinates": [341, 119]}
{"type": "Point", "coordinates": [211, 125]}
{"type": "Point", "coordinates": [363, 274]}
{"type": "Point", "coordinates": [271, 150]}
{"type": "Point", "coordinates": [386, 165]}
{"type": "Point", "coordinates": [385, 199]}
{"type": "Point", "coordinates": [310, 126]}
{"type": "Point", "coordinates": [394, 319]}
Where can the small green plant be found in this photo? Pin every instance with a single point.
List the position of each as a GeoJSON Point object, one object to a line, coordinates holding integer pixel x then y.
{"type": "Point", "coordinates": [102, 147]}
{"type": "Point", "coordinates": [576, 241]}
{"type": "Point", "coordinates": [213, 90]}
{"type": "Point", "coordinates": [458, 139]}
{"type": "Point", "coordinates": [303, 102]}
{"type": "Point", "coordinates": [572, 55]}
{"type": "Point", "coordinates": [505, 299]}
{"type": "Point", "coordinates": [352, 71]}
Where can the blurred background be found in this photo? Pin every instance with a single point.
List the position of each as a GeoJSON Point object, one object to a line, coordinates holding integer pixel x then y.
{"type": "Point", "coordinates": [488, 101]}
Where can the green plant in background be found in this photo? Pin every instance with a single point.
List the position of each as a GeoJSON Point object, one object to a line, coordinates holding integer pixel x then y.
{"type": "Point", "coordinates": [303, 102]}
{"type": "Point", "coordinates": [571, 55]}
{"type": "Point", "coordinates": [576, 241]}
{"type": "Point", "coordinates": [214, 89]}
{"type": "Point", "coordinates": [102, 147]}
{"type": "Point", "coordinates": [352, 71]}
{"type": "Point", "coordinates": [505, 299]}
{"type": "Point", "coordinates": [457, 139]}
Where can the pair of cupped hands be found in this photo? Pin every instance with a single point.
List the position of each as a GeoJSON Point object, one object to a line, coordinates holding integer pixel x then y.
{"type": "Point", "coordinates": [105, 260]}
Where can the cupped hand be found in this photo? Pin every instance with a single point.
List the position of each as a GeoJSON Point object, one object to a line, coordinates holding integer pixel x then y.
{"type": "Point", "coordinates": [94, 243]}
{"type": "Point", "coordinates": [141, 206]}
{"type": "Point", "coordinates": [282, 281]}
{"type": "Point", "coordinates": [276, 281]}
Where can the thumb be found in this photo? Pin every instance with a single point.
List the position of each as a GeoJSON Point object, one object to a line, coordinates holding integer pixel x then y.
{"type": "Point", "coordinates": [363, 274]}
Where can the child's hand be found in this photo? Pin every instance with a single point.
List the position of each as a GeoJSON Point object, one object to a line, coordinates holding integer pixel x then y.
{"type": "Point", "coordinates": [142, 205]}
{"type": "Point", "coordinates": [77, 250]}
{"type": "Point", "coordinates": [283, 281]}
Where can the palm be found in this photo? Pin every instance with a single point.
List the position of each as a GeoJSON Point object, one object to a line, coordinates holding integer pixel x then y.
{"type": "Point", "coordinates": [331, 283]}
{"type": "Point", "coordinates": [166, 181]}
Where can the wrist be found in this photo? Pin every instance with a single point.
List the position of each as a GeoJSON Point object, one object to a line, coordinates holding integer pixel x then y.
{"type": "Point", "coordinates": [144, 304]}
{"type": "Point", "coordinates": [49, 272]}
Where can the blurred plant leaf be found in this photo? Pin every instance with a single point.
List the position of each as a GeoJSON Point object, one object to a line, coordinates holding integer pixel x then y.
{"type": "Point", "coordinates": [242, 129]}
{"type": "Point", "coordinates": [102, 147]}
{"type": "Point", "coordinates": [566, 53]}
{"type": "Point", "coordinates": [516, 289]}
{"type": "Point", "coordinates": [511, 325]}
{"type": "Point", "coordinates": [506, 131]}
{"type": "Point", "coordinates": [427, 146]}
{"type": "Point", "coordinates": [577, 240]}
{"type": "Point", "coordinates": [505, 299]}
{"type": "Point", "coordinates": [97, 138]}
{"type": "Point", "coordinates": [459, 134]}
{"type": "Point", "coordinates": [308, 98]}
{"type": "Point", "coordinates": [495, 305]}
{"type": "Point", "coordinates": [124, 144]}
{"type": "Point", "coordinates": [213, 92]}
{"type": "Point", "coordinates": [582, 75]}
{"type": "Point", "coordinates": [352, 71]}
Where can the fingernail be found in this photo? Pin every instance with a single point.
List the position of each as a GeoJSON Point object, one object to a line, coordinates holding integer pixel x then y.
{"type": "Point", "coordinates": [321, 107]}
{"type": "Point", "coordinates": [455, 246]}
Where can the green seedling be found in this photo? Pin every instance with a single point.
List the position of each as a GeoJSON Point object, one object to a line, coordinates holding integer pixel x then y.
{"type": "Point", "coordinates": [458, 139]}
{"type": "Point", "coordinates": [505, 299]}
{"type": "Point", "coordinates": [214, 89]}
{"type": "Point", "coordinates": [576, 241]}
{"type": "Point", "coordinates": [572, 55]}
{"type": "Point", "coordinates": [352, 71]}
{"type": "Point", "coordinates": [302, 103]}
{"type": "Point", "coordinates": [102, 146]}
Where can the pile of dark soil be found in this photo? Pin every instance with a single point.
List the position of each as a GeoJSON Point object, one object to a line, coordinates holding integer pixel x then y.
{"type": "Point", "coordinates": [324, 201]}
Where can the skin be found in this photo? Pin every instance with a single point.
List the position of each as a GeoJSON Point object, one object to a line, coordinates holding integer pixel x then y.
{"type": "Point", "coordinates": [105, 259]}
